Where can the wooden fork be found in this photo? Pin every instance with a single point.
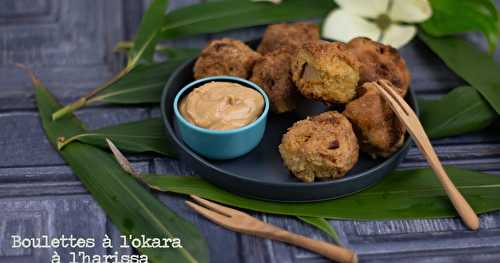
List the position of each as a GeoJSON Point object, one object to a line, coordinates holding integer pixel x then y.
{"type": "Point", "coordinates": [410, 120]}
{"type": "Point", "coordinates": [241, 222]}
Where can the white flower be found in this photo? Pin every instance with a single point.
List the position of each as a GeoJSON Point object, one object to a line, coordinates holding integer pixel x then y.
{"type": "Point", "coordinates": [386, 21]}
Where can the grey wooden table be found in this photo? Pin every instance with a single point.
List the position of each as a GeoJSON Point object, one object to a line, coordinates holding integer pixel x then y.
{"type": "Point", "coordinates": [69, 44]}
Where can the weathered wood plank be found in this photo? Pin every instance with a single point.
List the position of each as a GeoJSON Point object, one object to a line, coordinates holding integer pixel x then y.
{"type": "Point", "coordinates": [49, 216]}
{"type": "Point", "coordinates": [69, 44]}
{"type": "Point", "coordinates": [23, 142]}
{"type": "Point", "coordinates": [482, 157]}
{"type": "Point", "coordinates": [40, 181]}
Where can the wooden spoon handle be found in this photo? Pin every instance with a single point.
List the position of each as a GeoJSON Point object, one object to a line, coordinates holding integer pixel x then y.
{"type": "Point", "coordinates": [463, 208]}
{"type": "Point", "coordinates": [411, 121]}
{"type": "Point", "coordinates": [330, 251]}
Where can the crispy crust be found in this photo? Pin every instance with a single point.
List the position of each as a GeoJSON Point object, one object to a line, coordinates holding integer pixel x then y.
{"type": "Point", "coordinates": [323, 147]}
{"type": "Point", "coordinates": [379, 61]}
{"type": "Point", "coordinates": [225, 57]}
{"type": "Point", "coordinates": [272, 73]}
{"type": "Point", "coordinates": [380, 132]}
{"type": "Point", "coordinates": [287, 36]}
{"type": "Point", "coordinates": [326, 71]}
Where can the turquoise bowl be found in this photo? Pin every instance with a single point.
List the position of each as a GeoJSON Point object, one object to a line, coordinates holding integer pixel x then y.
{"type": "Point", "coordinates": [226, 144]}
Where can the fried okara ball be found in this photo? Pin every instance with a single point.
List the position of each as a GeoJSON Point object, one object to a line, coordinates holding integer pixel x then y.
{"type": "Point", "coordinates": [326, 71]}
{"type": "Point", "coordinates": [272, 73]}
{"type": "Point", "coordinates": [379, 61]}
{"type": "Point", "coordinates": [288, 36]}
{"type": "Point", "coordinates": [323, 147]}
{"type": "Point", "coordinates": [380, 132]}
{"type": "Point", "coordinates": [225, 57]}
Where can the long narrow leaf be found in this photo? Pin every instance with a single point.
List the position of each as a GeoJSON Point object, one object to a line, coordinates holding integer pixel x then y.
{"type": "Point", "coordinates": [179, 53]}
{"type": "Point", "coordinates": [141, 51]}
{"type": "Point", "coordinates": [474, 66]}
{"type": "Point", "coordinates": [134, 137]}
{"type": "Point", "coordinates": [450, 17]}
{"type": "Point", "coordinates": [146, 38]}
{"type": "Point", "coordinates": [407, 194]}
{"type": "Point", "coordinates": [130, 207]}
{"type": "Point", "coordinates": [461, 111]}
{"type": "Point", "coordinates": [223, 15]}
{"type": "Point", "coordinates": [144, 84]}
{"type": "Point", "coordinates": [323, 225]}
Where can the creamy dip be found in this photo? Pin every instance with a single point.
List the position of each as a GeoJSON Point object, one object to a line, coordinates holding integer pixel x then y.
{"type": "Point", "coordinates": [222, 106]}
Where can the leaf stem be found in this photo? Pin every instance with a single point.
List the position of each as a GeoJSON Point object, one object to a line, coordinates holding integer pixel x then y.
{"type": "Point", "coordinates": [85, 100]}
{"type": "Point", "coordinates": [123, 46]}
{"type": "Point", "coordinates": [61, 142]}
{"type": "Point", "coordinates": [117, 77]}
{"type": "Point", "coordinates": [69, 108]}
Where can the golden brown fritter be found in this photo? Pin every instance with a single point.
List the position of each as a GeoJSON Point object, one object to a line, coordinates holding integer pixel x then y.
{"type": "Point", "coordinates": [225, 57]}
{"type": "Point", "coordinates": [380, 132]}
{"type": "Point", "coordinates": [379, 61]}
{"type": "Point", "coordinates": [326, 71]}
{"type": "Point", "coordinates": [287, 36]}
{"type": "Point", "coordinates": [322, 147]}
{"type": "Point", "coordinates": [272, 74]}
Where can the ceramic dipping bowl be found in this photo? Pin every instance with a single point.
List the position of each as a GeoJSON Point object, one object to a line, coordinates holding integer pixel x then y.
{"type": "Point", "coordinates": [221, 144]}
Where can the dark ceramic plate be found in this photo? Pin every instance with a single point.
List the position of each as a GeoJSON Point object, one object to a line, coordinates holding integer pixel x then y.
{"type": "Point", "coordinates": [261, 173]}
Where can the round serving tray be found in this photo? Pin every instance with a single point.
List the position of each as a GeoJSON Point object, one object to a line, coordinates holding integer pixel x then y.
{"type": "Point", "coordinates": [261, 173]}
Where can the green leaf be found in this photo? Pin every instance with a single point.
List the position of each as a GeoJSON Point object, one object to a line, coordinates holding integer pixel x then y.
{"type": "Point", "coordinates": [169, 51]}
{"type": "Point", "coordinates": [134, 137]}
{"type": "Point", "coordinates": [323, 225]}
{"type": "Point", "coordinates": [143, 84]}
{"type": "Point", "coordinates": [147, 36]}
{"type": "Point", "coordinates": [458, 16]}
{"type": "Point", "coordinates": [406, 194]}
{"type": "Point", "coordinates": [461, 111]}
{"type": "Point", "coordinates": [134, 210]}
{"type": "Point", "coordinates": [219, 16]}
{"type": "Point", "coordinates": [179, 53]}
{"type": "Point", "coordinates": [142, 51]}
{"type": "Point", "coordinates": [477, 68]}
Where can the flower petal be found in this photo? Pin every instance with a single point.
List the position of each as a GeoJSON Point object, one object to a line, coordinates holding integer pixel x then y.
{"type": "Point", "coordinates": [364, 8]}
{"type": "Point", "coordinates": [410, 11]}
{"type": "Point", "coordinates": [398, 35]}
{"type": "Point", "coordinates": [343, 26]}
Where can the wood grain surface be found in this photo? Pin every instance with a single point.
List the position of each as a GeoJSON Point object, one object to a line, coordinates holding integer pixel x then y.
{"type": "Point", "coordinates": [69, 45]}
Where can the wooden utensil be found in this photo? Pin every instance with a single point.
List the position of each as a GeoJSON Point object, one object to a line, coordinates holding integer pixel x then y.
{"type": "Point", "coordinates": [241, 222]}
{"type": "Point", "coordinates": [410, 120]}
